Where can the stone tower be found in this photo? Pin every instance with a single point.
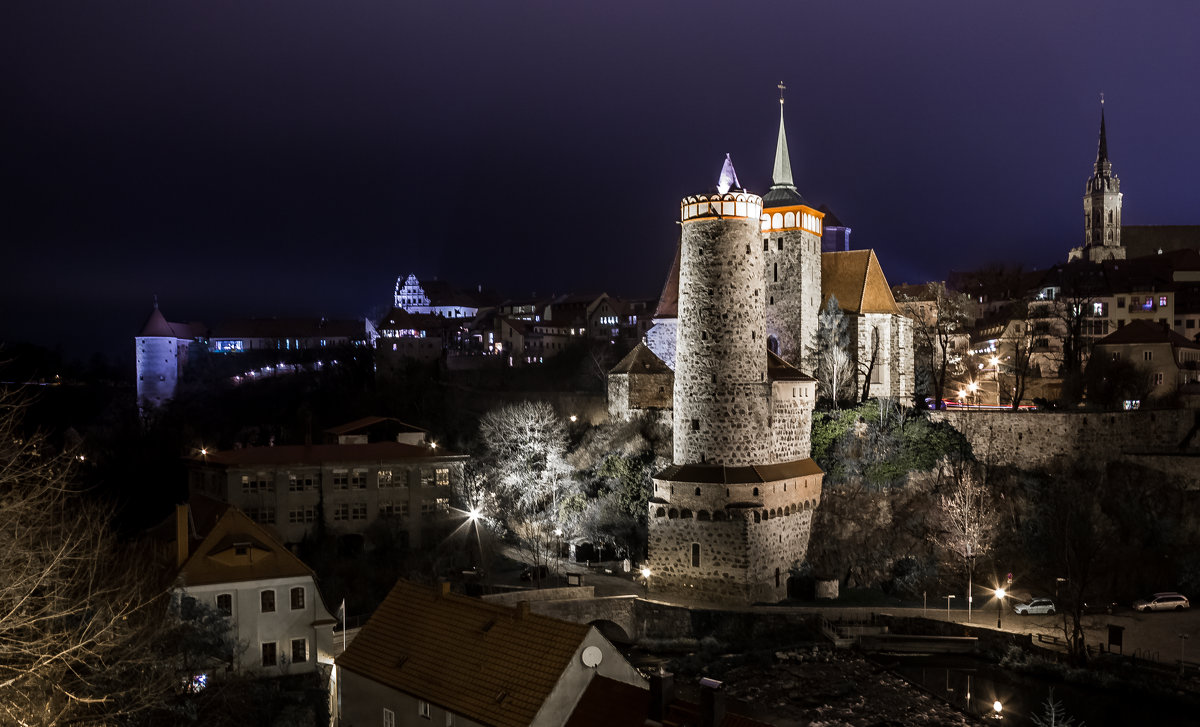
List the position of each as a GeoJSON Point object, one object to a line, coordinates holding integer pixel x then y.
{"type": "Point", "coordinates": [160, 354]}
{"type": "Point", "coordinates": [733, 512]}
{"type": "Point", "coordinates": [791, 244]}
{"type": "Point", "coordinates": [1101, 209]}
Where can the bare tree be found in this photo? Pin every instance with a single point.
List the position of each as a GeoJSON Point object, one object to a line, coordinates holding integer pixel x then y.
{"type": "Point", "coordinates": [78, 618]}
{"type": "Point", "coordinates": [965, 524]}
{"type": "Point", "coordinates": [1015, 363]}
{"type": "Point", "coordinates": [834, 366]}
{"type": "Point", "coordinates": [866, 365]}
{"type": "Point", "coordinates": [939, 317]}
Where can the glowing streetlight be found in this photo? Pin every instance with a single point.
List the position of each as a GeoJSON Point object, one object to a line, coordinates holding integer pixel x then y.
{"type": "Point", "coordinates": [999, 610]}
{"type": "Point", "coordinates": [574, 418]}
{"type": "Point", "coordinates": [433, 445]}
{"type": "Point", "coordinates": [473, 514]}
{"type": "Point", "coordinates": [948, 606]}
{"type": "Point", "coordinates": [997, 708]}
{"type": "Point", "coordinates": [646, 579]}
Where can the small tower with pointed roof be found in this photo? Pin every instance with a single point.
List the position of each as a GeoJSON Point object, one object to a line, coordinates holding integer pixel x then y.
{"type": "Point", "coordinates": [1101, 208]}
{"type": "Point", "coordinates": [791, 243]}
{"type": "Point", "coordinates": [160, 353]}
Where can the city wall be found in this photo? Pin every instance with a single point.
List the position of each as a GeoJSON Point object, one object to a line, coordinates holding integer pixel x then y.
{"type": "Point", "coordinates": [1039, 439]}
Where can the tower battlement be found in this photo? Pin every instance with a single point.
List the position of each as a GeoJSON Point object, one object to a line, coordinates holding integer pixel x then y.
{"type": "Point", "coordinates": [741, 205]}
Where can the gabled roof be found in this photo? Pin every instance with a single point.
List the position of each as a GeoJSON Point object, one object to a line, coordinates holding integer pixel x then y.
{"type": "Point", "coordinates": [316, 454]}
{"type": "Point", "coordinates": [668, 302]}
{"type": "Point", "coordinates": [858, 282]}
{"type": "Point", "coordinates": [830, 219]}
{"type": "Point", "coordinates": [1146, 332]}
{"type": "Point", "coordinates": [610, 703]}
{"type": "Point", "coordinates": [238, 549]}
{"type": "Point", "coordinates": [641, 360]}
{"type": "Point", "coordinates": [366, 422]}
{"type": "Point", "coordinates": [490, 663]}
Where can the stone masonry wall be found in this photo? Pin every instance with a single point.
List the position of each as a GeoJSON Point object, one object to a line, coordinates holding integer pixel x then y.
{"type": "Point", "coordinates": [721, 392]}
{"type": "Point", "coordinates": [1038, 439]}
{"type": "Point", "coordinates": [791, 421]}
{"type": "Point", "coordinates": [630, 394]}
{"type": "Point", "coordinates": [792, 272]}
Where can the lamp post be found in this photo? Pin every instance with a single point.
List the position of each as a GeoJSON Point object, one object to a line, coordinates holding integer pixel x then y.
{"type": "Point", "coordinates": [646, 579]}
{"type": "Point", "coordinates": [999, 607]}
{"type": "Point", "coordinates": [948, 606]}
{"type": "Point", "coordinates": [996, 709]}
{"type": "Point", "coordinates": [973, 387]}
{"type": "Point", "coordinates": [473, 515]}
{"type": "Point", "coordinates": [994, 361]}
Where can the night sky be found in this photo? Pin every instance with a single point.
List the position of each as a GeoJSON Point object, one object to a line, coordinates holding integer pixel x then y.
{"type": "Point", "coordinates": [252, 158]}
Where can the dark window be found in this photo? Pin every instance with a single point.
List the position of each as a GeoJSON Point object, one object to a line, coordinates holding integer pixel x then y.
{"type": "Point", "coordinates": [776, 271]}
{"type": "Point", "coordinates": [697, 490]}
{"type": "Point", "coordinates": [297, 598]}
{"type": "Point", "coordinates": [299, 651]}
{"type": "Point", "coordinates": [781, 243]}
{"type": "Point", "coordinates": [695, 425]}
{"type": "Point", "coordinates": [225, 603]}
{"type": "Point", "coordinates": [267, 601]}
{"type": "Point", "coordinates": [695, 555]}
{"type": "Point", "coordinates": [268, 654]}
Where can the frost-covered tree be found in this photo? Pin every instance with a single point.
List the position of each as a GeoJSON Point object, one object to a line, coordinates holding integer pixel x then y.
{"type": "Point", "coordinates": [526, 477]}
{"type": "Point", "coordinates": [833, 363]}
{"type": "Point", "coordinates": [1053, 714]}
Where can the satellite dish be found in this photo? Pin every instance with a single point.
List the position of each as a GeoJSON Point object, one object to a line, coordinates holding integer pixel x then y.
{"type": "Point", "coordinates": [592, 656]}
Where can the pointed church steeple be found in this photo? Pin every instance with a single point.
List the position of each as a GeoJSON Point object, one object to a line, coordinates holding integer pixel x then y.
{"type": "Point", "coordinates": [1103, 165]}
{"type": "Point", "coordinates": [1101, 207]}
{"type": "Point", "coordinates": [783, 190]}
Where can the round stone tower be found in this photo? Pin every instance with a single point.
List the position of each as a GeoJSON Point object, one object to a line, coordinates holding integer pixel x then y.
{"type": "Point", "coordinates": [721, 388]}
{"type": "Point", "coordinates": [733, 512]}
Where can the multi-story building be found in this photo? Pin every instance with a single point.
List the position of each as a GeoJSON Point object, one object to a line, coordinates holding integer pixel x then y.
{"type": "Point", "coordinates": [224, 560]}
{"type": "Point", "coordinates": [1170, 362]}
{"type": "Point", "coordinates": [347, 485]}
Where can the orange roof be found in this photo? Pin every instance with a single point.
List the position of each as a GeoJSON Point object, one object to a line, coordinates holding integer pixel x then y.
{"type": "Point", "coordinates": [490, 663]}
{"type": "Point", "coordinates": [239, 549]}
{"type": "Point", "coordinates": [858, 282]}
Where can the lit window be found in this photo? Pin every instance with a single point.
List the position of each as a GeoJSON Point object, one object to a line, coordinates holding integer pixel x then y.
{"type": "Point", "coordinates": [1162, 300]}
{"type": "Point", "coordinates": [442, 477]}
{"type": "Point", "coordinates": [267, 601]}
{"type": "Point", "coordinates": [385, 478]}
{"type": "Point", "coordinates": [297, 598]}
{"type": "Point", "coordinates": [269, 657]}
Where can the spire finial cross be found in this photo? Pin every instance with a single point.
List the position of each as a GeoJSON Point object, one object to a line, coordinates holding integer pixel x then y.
{"type": "Point", "coordinates": [780, 86]}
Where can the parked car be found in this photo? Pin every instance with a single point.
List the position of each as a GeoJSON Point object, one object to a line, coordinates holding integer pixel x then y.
{"type": "Point", "coordinates": [1100, 607]}
{"type": "Point", "coordinates": [1036, 606]}
{"type": "Point", "coordinates": [1166, 601]}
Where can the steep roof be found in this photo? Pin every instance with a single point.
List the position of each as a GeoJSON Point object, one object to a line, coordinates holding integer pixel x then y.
{"type": "Point", "coordinates": [490, 663]}
{"type": "Point", "coordinates": [157, 326]}
{"type": "Point", "coordinates": [300, 454]}
{"type": "Point", "coordinates": [641, 360]}
{"type": "Point", "coordinates": [668, 302]}
{"type": "Point", "coordinates": [858, 282]}
{"type": "Point", "coordinates": [238, 549]}
{"type": "Point", "coordinates": [367, 422]}
{"type": "Point", "coordinates": [830, 219]}
{"type": "Point", "coordinates": [780, 370]}
{"type": "Point", "coordinates": [610, 703]}
{"type": "Point", "coordinates": [1146, 332]}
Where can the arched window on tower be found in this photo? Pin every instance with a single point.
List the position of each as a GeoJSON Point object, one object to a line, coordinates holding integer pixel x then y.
{"type": "Point", "coordinates": [773, 345]}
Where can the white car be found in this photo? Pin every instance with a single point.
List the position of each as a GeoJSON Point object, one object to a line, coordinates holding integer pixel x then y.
{"type": "Point", "coordinates": [1036, 606]}
{"type": "Point", "coordinates": [1168, 601]}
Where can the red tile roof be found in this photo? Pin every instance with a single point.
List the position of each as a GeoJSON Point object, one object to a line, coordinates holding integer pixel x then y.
{"type": "Point", "coordinates": [858, 282]}
{"type": "Point", "coordinates": [668, 302]}
{"type": "Point", "coordinates": [316, 454]}
{"type": "Point", "coordinates": [490, 663]}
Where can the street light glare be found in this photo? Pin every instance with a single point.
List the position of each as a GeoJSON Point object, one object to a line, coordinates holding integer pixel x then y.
{"type": "Point", "coordinates": [645, 573]}
{"type": "Point", "coordinates": [999, 594]}
{"type": "Point", "coordinates": [997, 706]}
{"type": "Point", "coordinates": [473, 513]}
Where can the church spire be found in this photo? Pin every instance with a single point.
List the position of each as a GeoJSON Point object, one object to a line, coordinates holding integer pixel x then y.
{"type": "Point", "coordinates": [782, 174]}
{"type": "Point", "coordinates": [1103, 165]}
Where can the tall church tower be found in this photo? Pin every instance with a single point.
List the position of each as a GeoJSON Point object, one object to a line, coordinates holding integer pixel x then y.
{"type": "Point", "coordinates": [733, 513]}
{"type": "Point", "coordinates": [1101, 209]}
{"type": "Point", "coordinates": [791, 243]}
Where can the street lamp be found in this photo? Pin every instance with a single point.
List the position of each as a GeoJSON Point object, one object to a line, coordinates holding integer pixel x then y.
{"type": "Point", "coordinates": [999, 607]}
{"type": "Point", "coordinates": [646, 579]}
{"type": "Point", "coordinates": [948, 606]}
{"type": "Point", "coordinates": [973, 387]}
{"type": "Point", "coordinates": [996, 709]}
{"type": "Point", "coordinates": [994, 362]}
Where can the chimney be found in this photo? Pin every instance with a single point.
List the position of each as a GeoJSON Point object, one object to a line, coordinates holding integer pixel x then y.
{"type": "Point", "coordinates": [712, 703]}
{"type": "Point", "coordinates": [443, 589]}
{"type": "Point", "coordinates": [662, 693]}
{"type": "Point", "coordinates": [522, 610]}
{"type": "Point", "coordinates": [181, 535]}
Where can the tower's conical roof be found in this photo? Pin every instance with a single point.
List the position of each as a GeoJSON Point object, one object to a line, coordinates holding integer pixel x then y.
{"type": "Point", "coordinates": [1103, 165]}
{"type": "Point", "coordinates": [728, 179]}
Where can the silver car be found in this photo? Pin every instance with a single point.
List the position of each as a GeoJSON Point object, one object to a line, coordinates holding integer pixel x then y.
{"type": "Point", "coordinates": [1036, 606]}
{"type": "Point", "coordinates": [1167, 601]}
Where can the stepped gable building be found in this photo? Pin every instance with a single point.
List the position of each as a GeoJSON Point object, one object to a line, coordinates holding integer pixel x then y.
{"type": "Point", "coordinates": [161, 353]}
{"type": "Point", "coordinates": [734, 511]}
{"type": "Point", "coordinates": [1101, 209]}
{"type": "Point", "coordinates": [791, 239]}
